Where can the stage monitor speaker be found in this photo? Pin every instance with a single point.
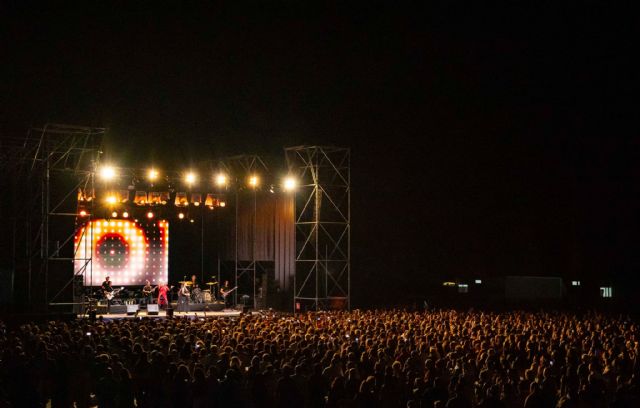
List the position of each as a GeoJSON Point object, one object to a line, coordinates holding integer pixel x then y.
{"type": "Point", "coordinates": [132, 309]}
{"type": "Point", "coordinates": [152, 310]}
{"type": "Point", "coordinates": [169, 312]}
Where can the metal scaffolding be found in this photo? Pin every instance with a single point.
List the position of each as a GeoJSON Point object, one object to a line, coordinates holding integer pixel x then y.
{"type": "Point", "coordinates": [50, 165]}
{"type": "Point", "coordinates": [245, 166]}
{"type": "Point", "coordinates": [322, 279]}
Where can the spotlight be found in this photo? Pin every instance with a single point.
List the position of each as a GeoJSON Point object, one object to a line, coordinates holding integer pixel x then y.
{"type": "Point", "coordinates": [191, 221]}
{"type": "Point", "coordinates": [125, 215]}
{"type": "Point", "coordinates": [83, 213]}
{"type": "Point", "coordinates": [114, 214]}
{"type": "Point", "coordinates": [107, 173]}
{"type": "Point", "coordinates": [181, 216]}
{"type": "Point", "coordinates": [149, 215]}
{"type": "Point", "coordinates": [290, 183]}
{"type": "Point", "coordinates": [190, 178]}
{"type": "Point", "coordinates": [223, 204]}
{"type": "Point", "coordinates": [253, 181]}
{"type": "Point", "coordinates": [111, 199]}
{"type": "Point", "coordinates": [221, 180]}
{"type": "Point", "coordinates": [152, 174]}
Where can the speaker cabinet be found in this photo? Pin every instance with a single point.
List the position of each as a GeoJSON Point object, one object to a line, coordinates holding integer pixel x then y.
{"type": "Point", "coordinates": [152, 310]}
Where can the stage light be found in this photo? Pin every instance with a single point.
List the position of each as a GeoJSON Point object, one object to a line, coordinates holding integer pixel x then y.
{"type": "Point", "coordinates": [149, 215]}
{"type": "Point", "coordinates": [181, 199]}
{"type": "Point", "coordinates": [107, 173]}
{"type": "Point", "coordinates": [221, 180]}
{"type": "Point", "coordinates": [223, 204]}
{"type": "Point", "coordinates": [289, 183]}
{"type": "Point", "coordinates": [181, 216]}
{"type": "Point", "coordinates": [112, 199]}
{"type": "Point", "coordinates": [196, 199]}
{"type": "Point", "coordinates": [114, 214]}
{"type": "Point", "coordinates": [140, 198]}
{"type": "Point", "coordinates": [125, 215]}
{"type": "Point", "coordinates": [83, 213]}
{"type": "Point", "coordinates": [191, 221]}
{"type": "Point", "coordinates": [190, 178]}
{"type": "Point", "coordinates": [153, 174]}
{"type": "Point", "coordinates": [253, 181]}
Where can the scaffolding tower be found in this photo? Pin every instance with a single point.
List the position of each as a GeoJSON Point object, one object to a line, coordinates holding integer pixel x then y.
{"type": "Point", "coordinates": [322, 278]}
{"type": "Point", "coordinates": [49, 165]}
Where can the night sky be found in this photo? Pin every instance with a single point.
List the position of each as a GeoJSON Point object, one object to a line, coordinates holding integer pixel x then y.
{"type": "Point", "coordinates": [484, 142]}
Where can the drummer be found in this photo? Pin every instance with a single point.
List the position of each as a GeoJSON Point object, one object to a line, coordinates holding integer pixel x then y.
{"type": "Point", "coordinates": [194, 282]}
{"type": "Point", "coordinates": [194, 288]}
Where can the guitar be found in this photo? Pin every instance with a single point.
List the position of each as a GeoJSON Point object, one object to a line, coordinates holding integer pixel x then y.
{"type": "Point", "coordinates": [113, 293]}
{"type": "Point", "coordinates": [149, 292]}
{"type": "Point", "coordinates": [184, 291]}
{"type": "Point", "coordinates": [225, 294]}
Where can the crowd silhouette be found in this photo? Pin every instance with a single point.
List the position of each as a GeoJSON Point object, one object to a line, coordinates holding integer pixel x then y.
{"type": "Point", "coordinates": [391, 358]}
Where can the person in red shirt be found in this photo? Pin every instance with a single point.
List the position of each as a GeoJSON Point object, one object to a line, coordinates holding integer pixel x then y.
{"type": "Point", "coordinates": [162, 294]}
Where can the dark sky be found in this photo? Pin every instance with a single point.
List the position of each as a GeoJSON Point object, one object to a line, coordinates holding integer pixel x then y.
{"type": "Point", "coordinates": [485, 141]}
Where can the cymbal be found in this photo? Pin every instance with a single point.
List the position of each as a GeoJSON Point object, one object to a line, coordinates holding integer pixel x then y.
{"type": "Point", "coordinates": [185, 282]}
{"type": "Point", "coordinates": [211, 283]}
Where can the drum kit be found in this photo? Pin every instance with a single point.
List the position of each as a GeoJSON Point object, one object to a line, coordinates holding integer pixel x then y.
{"type": "Point", "coordinates": [199, 295]}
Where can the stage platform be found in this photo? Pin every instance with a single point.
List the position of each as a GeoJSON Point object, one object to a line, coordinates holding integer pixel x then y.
{"type": "Point", "coordinates": [192, 307]}
{"type": "Point", "coordinates": [162, 314]}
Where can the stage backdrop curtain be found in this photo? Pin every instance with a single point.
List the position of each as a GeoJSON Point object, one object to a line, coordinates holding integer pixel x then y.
{"type": "Point", "coordinates": [285, 248]}
{"type": "Point", "coordinates": [274, 232]}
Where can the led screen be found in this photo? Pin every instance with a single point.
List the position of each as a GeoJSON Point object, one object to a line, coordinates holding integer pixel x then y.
{"type": "Point", "coordinates": [130, 252]}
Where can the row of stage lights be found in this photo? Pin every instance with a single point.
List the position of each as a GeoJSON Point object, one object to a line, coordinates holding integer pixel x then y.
{"type": "Point", "coordinates": [109, 173]}
{"type": "Point", "coordinates": [125, 214]}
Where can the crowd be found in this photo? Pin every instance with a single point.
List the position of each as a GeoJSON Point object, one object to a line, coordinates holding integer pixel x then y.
{"type": "Point", "coordinates": [374, 359]}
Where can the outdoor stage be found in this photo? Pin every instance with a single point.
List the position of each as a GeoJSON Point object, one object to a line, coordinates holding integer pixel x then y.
{"type": "Point", "coordinates": [257, 228]}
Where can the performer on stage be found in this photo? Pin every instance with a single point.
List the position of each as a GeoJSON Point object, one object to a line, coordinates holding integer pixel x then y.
{"type": "Point", "coordinates": [183, 298]}
{"type": "Point", "coordinates": [225, 293]}
{"type": "Point", "coordinates": [194, 289]}
{"type": "Point", "coordinates": [106, 290]}
{"type": "Point", "coordinates": [162, 294]}
{"type": "Point", "coordinates": [147, 292]}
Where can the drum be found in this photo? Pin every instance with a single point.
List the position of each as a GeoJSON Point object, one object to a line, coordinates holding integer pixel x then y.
{"type": "Point", "coordinates": [196, 295]}
{"type": "Point", "coordinates": [206, 296]}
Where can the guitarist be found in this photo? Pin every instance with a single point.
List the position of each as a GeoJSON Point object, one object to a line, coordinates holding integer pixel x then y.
{"type": "Point", "coordinates": [147, 292]}
{"type": "Point", "coordinates": [106, 290]}
{"type": "Point", "coordinates": [225, 292]}
{"type": "Point", "coordinates": [183, 298]}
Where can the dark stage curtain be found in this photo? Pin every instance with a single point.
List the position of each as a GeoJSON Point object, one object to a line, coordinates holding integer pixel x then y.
{"type": "Point", "coordinates": [285, 247]}
{"type": "Point", "coordinates": [274, 232]}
